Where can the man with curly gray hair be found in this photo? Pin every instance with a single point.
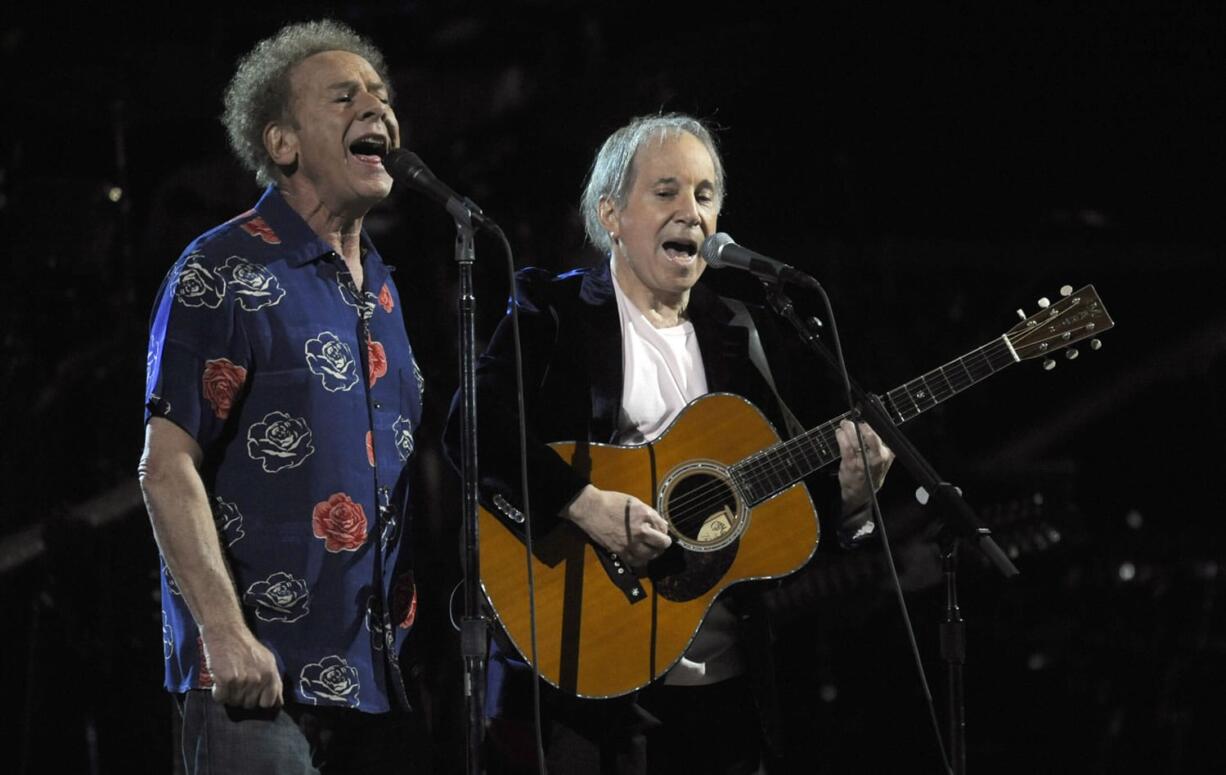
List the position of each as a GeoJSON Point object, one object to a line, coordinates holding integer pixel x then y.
{"type": "Point", "coordinates": [260, 92]}
{"type": "Point", "coordinates": [281, 400]}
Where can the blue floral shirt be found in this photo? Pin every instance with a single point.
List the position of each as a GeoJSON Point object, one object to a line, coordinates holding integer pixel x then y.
{"type": "Point", "coordinates": [303, 393]}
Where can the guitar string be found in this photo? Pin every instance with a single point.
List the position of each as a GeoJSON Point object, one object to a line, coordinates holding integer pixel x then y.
{"type": "Point", "coordinates": [774, 466]}
{"type": "Point", "coordinates": [705, 497]}
{"type": "Point", "coordinates": [985, 361]}
{"type": "Point", "coordinates": [779, 463]}
{"type": "Point", "coordinates": [778, 468]}
{"type": "Point", "coordinates": [765, 462]}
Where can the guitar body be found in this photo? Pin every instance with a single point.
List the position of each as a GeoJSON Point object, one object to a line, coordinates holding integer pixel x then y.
{"type": "Point", "coordinates": [603, 631]}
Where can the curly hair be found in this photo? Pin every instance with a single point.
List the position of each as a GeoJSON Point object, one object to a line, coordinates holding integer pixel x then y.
{"type": "Point", "coordinates": [612, 172]}
{"type": "Point", "coordinates": [260, 90]}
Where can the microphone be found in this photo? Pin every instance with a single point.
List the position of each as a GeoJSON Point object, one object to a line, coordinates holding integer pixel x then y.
{"type": "Point", "coordinates": [407, 167]}
{"type": "Point", "coordinates": [720, 251]}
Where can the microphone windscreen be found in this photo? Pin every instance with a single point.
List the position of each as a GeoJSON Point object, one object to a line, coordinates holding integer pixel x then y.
{"type": "Point", "coordinates": [712, 246]}
{"type": "Point", "coordinates": [403, 165]}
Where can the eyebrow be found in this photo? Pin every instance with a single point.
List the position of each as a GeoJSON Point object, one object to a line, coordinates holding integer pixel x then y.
{"type": "Point", "coordinates": [373, 86]}
{"type": "Point", "coordinates": [673, 181]}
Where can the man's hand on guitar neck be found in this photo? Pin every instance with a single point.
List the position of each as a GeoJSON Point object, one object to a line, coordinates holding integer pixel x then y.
{"type": "Point", "coordinates": [620, 523]}
{"type": "Point", "coordinates": [853, 484]}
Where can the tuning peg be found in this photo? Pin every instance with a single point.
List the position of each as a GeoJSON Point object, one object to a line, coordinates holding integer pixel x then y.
{"type": "Point", "coordinates": [1044, 303]}
{"type": "Point", "coordinates": [1071, 353]}
{"type": "Point", "coordinates": [1048, 364]}
{"type": "Point", "coordinates": [1021, 313]}
{"type": "Point", "coordinates": [1066, 290]}
{"type": "Point", "coordinates": [1096, 344]}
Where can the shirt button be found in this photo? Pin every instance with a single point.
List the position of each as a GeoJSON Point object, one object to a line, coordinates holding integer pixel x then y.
{"type": "Point", "coordinates": [378, 405]}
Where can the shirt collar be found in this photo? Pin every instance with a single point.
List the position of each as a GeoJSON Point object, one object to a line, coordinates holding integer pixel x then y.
{"type": "Point", "coordinates": [299, 244]}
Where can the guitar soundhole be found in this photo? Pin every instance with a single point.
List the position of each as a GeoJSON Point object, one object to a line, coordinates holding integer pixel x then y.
{"type": "Point", "coordinates": [703, 508]}
{"type": "Point", "coordinates": [707, 518]}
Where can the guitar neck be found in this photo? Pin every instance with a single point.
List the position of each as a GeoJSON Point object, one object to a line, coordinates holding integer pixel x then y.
{"type": "Point", "coordinates": [774, 469]}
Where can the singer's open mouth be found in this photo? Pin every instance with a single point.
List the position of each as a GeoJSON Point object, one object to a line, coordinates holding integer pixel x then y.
{"type": "Point", "coordinates": [680, 249]}
{"type": "Point", "coordinates": [369, 148]}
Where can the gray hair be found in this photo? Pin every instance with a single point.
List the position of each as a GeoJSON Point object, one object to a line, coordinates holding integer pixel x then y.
{"type": "Point", "coordinates": [260, 90]}
{"type": "Point", "coordinates": [612, 172]}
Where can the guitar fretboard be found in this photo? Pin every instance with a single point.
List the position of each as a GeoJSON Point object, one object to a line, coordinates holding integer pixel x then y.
{"type": "Point", "coordinates": [778, 467]}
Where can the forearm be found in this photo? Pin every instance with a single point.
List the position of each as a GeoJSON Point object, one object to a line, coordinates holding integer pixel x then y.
{"type": "Point", "coordinates": [186, 535]}
{"type": "Point", "coordinates": [553, 484]}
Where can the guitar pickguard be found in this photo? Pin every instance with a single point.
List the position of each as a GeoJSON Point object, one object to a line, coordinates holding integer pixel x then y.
{"type": "Point", "coordinates": [681, 575]}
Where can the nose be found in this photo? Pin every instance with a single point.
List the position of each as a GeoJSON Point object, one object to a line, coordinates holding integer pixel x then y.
{"type": "Point", "coordinates": [688, 211]}
{"type": "Point", "coordinates": [371, 107]}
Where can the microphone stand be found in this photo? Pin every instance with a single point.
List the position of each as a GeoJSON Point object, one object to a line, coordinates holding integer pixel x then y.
{"type": "Point", "coordinates": [959, 522]}
{"type": "Point", "coordinates": [473, 625]}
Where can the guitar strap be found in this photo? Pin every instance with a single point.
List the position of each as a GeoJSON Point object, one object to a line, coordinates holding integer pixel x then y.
{"type": "Point", "coordinates": [742, 318]}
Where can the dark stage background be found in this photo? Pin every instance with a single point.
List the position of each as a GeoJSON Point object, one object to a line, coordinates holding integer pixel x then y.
{"type": "Point", "coordinates": [936, 166]}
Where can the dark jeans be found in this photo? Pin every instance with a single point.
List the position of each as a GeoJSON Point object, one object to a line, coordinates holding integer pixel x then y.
{"type": "Point", "coordinates": [220, 740]}
{"type": "Point", "coordinates": [664, 730]}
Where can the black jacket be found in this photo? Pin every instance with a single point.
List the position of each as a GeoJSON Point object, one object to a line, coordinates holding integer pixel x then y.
{"type": "Point", "coordinates": [572, 353]}
{"type": "Point", "coordinates": [573, 375]}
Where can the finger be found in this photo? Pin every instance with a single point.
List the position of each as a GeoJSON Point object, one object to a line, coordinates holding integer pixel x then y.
{"type": "Point", "coordinates": [871, 439]}
{"type": "Point", "coordinates": [655, 539]}
{"type": "Point", "coordinates": [657, 521]}
{"type": "Point", "coordinates": [878, 447]}
{"type": "Point", "coordinates": [230, 692]}
{"type": "Point", "coordinates": [642, 514]}
{"type": "Point", "coordinates": [249, 694]}
{"type": "Point", "coordinates": [846, 436]}
{"type": "Point", "coordinates": [220, 695]}
{"type": "Point", "coordinates": [871, 443]}
{"type": "Point", "coordinates": [879, 454]}
{"type": "Point", "coordinates": [270, 695]}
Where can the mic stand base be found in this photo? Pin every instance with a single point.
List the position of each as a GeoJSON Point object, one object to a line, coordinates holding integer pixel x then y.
{"type": "Point", "coordinates": [953, 653]}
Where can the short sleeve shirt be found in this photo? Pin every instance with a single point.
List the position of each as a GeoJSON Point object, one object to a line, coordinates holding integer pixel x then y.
{"type": "Point", "coordinates": [304, 395]}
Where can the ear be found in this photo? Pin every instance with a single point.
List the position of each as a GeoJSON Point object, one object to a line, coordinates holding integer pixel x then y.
{"type": "Point", "coordinates": [610, 217]}
{"type": "Point", "coordinates": [281, 144]}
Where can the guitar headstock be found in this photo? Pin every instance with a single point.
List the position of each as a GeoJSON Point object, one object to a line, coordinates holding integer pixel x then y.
{"type": "Point", "coordinates": [1078, 315]}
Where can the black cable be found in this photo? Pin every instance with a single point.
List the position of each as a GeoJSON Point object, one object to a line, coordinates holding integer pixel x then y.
{"type": "Point", "coordinates": [885, 541]}
{"type": "Point", "coordinates": [523, 484]}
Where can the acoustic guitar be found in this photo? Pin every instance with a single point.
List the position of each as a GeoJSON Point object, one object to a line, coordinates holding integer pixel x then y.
{"type": "Point", "coordinates": [737, 510]}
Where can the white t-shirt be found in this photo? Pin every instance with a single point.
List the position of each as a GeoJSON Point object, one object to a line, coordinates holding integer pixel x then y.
{"type": "Point", "coordinates": [663, 372]}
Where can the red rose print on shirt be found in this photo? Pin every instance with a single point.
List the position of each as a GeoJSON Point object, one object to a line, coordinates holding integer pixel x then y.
{"type": "Point", "coordinates": [222, 380]}
{"type": "Point", "coordinates": [370, 448]}
{"type": "Point", "coordinates": [404, 601]}
{"type": "Point", "coordinates": [258, 227]}
{"type": "Point", "coordinates": [385, 299]}
{"type": "Point", "coordinates": [377, 359]}
{"type": "Point", "coordinates": [340, 522]}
